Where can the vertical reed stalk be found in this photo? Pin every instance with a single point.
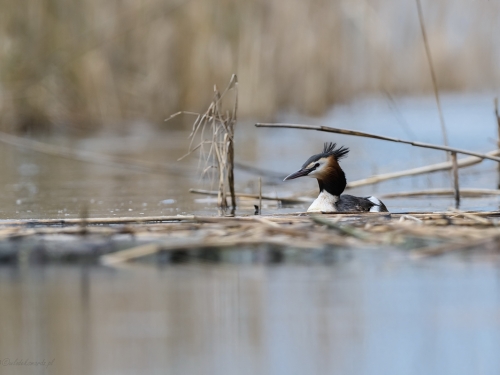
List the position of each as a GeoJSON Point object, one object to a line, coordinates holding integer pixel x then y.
{"type": "Point", "coordinates": [497, 115]}
{"type": "Point", "coordinates": [433, 73]}
{"type": "Point", "coordinates": [234, 118]}
{"type": "Point", "coordinates": [260, 195]}
{"type": "Point", "coordinates": [455, 179]}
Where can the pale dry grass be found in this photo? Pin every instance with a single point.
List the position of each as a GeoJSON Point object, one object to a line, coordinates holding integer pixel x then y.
{"type": "Point", "coordinates": [90, 63]}
{"type": "Point", "coordinates": [212, 137]}
{"type": "Point", "coordinates": [418, 235]}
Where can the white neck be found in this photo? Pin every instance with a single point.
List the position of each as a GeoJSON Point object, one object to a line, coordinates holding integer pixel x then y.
{"type": "Point", "coordinates": [324, 203]}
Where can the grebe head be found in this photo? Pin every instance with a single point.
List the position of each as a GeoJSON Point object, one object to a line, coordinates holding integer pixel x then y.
{"type": "Point", "coordinates": [325, 168]}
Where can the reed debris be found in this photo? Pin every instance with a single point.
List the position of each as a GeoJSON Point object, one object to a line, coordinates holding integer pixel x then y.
{"type": "Point", "coordinates": [416, 234]}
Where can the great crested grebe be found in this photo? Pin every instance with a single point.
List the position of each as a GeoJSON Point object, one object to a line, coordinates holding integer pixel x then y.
{"type": "Point", "coordinates": [331, 179]}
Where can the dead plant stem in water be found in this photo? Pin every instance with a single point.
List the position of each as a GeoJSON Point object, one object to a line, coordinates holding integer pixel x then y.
{"type": "Point", "coordinates": [381, 137]}
{"type": "Point", "coordinates": [497, 116]}
{"type": "Point", "coordinates": [447, 165]}
{"type": "Point", "coordinates": [455, 179]}
{"type": "Point", "coordinates": [466, 193]}
{"type": "Point", "coordinates": [215, 129]}
{"type": "Point", "coordinates": [260, 195]}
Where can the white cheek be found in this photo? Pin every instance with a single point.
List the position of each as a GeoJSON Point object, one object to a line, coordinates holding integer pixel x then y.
{"type": "Point", "coordinates": [317, 172]}
{"type": "Point", "coordinates": [313, 174]}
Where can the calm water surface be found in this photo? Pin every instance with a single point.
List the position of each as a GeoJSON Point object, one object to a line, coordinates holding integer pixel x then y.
{"type": "Point", "coordinates": [367, 313]}
{"type": "Point", "coordinates": [358, 312]}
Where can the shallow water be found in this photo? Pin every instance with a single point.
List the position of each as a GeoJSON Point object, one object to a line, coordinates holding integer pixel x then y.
{"type": "Point", "coordinates": [335, 311]}
{"type": "Point", "coordinates": [363, 313]}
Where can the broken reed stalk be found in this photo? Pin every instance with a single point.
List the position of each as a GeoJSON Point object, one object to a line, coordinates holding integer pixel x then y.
{"type": "Point", "coordinates": [433, 73]}
{"type": "Point", "coordinates": [375, 136]}
{"type": "Point", "coordinates": [497, 115]}
{"type": "Point", "coordinates": [219, 123]}
{"type": "Point", "coordinates": [455, 179]}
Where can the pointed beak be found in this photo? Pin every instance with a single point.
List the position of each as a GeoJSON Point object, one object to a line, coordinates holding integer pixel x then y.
{"type": "Point", "coordinates": [299, 173]}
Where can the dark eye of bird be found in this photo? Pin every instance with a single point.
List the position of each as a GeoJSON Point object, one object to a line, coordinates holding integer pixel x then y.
{"type": "Point", "coordinates": [316, 165]}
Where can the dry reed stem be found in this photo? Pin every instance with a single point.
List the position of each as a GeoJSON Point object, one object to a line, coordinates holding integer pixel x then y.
{"type": "Point", "coordinates": [432, 71]}
{"type": "Point", "coordinates": [469, 193]}
{"type": "Point", "coordinates": [497, 116]}
{"type": "Point", "coordinates": [230, 151]}
{"type": "Point", "coordinates": [461, 163]}
{"type": "Point", "coordinates": [456, 190]}
{"type": "Point", "coordinates": [253, 196]}
{"type": "Point", "coordinates": [375, 136]}
{"type": "Point", "coordinates": [220, 155]}
{"type": "Point", "coordinates": [260, 195]}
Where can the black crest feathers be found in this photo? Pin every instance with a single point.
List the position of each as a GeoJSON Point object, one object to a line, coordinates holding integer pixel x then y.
{"type": "Point", "coordinates": [329, 150]}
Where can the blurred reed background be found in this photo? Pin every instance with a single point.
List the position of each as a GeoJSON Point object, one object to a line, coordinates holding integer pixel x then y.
{"type": "Point", "coordinates": [89, 63]}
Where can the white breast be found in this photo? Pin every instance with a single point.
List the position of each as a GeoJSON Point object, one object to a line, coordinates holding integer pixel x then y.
{"type": "Point", "coordinates": [324, 203]}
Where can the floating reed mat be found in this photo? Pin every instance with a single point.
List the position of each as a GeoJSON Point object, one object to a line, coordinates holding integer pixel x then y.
{"type": "Point", "coordinates": [416, 234]}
